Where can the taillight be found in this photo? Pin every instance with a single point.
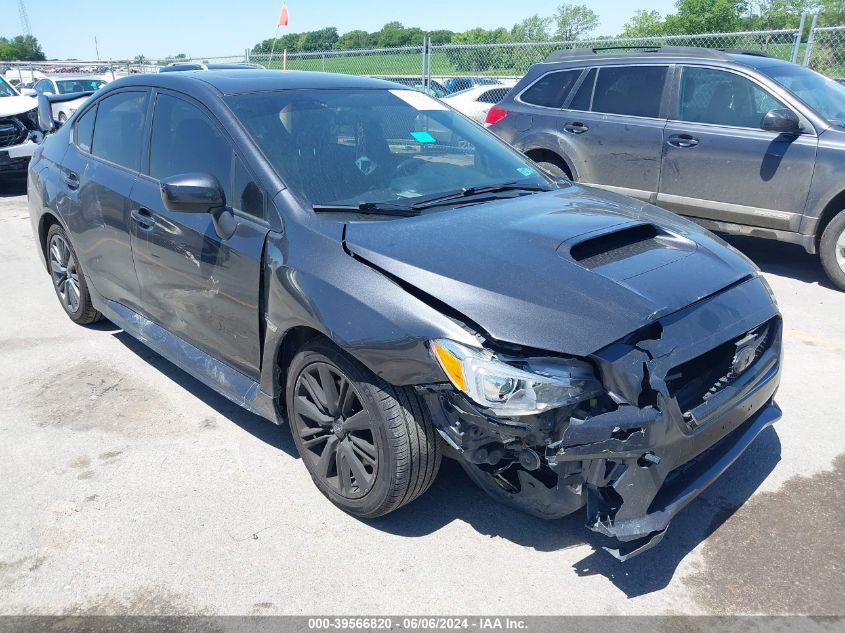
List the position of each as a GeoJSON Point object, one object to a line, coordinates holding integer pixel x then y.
{"type": "Point", "coordinates": [495, 114]}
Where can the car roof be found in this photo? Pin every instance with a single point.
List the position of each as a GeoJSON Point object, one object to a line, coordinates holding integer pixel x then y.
{"type": "Point", "coordinates": [658, 53]}
{"type": "Point", "coordinates": [230, 82]}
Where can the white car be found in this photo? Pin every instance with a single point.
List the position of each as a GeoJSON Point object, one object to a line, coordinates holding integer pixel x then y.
{"type": "Point", "coordinates": [62, 85]}
{"type": "Point", "coordinates": [19, 133]}
{"type": "Point", "coordinates": [476, 101]}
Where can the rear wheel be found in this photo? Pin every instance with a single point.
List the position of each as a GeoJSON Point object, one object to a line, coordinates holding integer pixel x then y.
{"type": "Point", "coordinates": [832, 250]}
{"type": "Point", "coordinates": [68, 279]}
{"type": "Point", "coordinates": [369, 447]}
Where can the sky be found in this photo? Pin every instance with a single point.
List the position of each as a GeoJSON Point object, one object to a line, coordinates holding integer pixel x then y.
{"type": "Point", "coordinates": [158, 28]}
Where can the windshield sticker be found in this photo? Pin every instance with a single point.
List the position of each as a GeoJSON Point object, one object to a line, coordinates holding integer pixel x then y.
{"type": "Point", "coordinates": [526, 171]}
{"type": "Point", "coordinates": [423, 137]}
{"type": "Point", "coordinates": [418, 100]}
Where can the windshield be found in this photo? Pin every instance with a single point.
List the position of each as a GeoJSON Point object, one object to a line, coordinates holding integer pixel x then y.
{"type": "Point", "coordinates": [347, 147]}
{"type": "Point", "coordinates": [68, 86]}
{"type": "Point", "coordinates": [6, 90]}
{"type": "Point", "coordinates": [823, 95]}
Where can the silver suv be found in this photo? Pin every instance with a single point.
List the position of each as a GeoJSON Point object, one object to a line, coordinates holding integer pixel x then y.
{"type": "Point", "coordinates": [740, 142]}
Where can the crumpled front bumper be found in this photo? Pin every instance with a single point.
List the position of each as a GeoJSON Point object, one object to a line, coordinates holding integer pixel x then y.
{"type": "Point", "coordinates": [648, 459]}
{"type": "Point", "coordinates": [636, 466]}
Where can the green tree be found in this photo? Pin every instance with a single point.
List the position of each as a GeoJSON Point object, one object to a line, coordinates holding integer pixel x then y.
{"type": "Point", "coordinates": [644, 24]}
{"type": "Point", "coordinates": [707, 16]}
{"type": "Point", "coordinates": [441, 36]}
{"type": "Point", "coordinates": [778, 14]}
{"type": "Point", "coordinates": [21, 47]}
{"type": "Point", "coordinates": [354, 39]}
{"type": "Point", "coordinates": [532, 29]}
{"type": "Point", "coordinates": [573, 21]}
{"type": "Point", "coordinates": [831, 12]}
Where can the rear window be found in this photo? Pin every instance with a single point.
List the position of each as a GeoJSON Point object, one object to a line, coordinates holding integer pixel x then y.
{"type": "Point", "coordinates": [493, 96]}
{"type": "Point", "coordinates": [551, 90]}
{"type": "Point", "coordinates": [630, 90]}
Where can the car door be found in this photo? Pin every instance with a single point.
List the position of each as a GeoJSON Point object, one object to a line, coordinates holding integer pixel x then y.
{"type": "Point", "coordinates": [99, 171]}
{"type": "Point", "coordinates": [196, 284]}
{"type": "Point", "coordinates": [613, 126]}
{"type": "Point", "coordinates": [719, 165]}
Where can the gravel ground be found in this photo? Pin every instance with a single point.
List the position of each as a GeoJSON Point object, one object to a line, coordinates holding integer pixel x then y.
{"type": "Point", "coordinates": [128, 487]}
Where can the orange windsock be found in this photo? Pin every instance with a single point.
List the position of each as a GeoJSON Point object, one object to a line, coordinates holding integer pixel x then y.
{"type": "Point", "coordinates": [283, 17]}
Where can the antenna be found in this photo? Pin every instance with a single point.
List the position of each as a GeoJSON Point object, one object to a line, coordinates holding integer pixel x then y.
{"type": "Point", "coordinates": [25, 25]}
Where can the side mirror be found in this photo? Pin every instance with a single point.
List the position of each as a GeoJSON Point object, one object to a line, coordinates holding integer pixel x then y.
{"type": "Point", "coordinates": [192, 193]}
{"type": "Point", "coordinates": [199, 193]}
{"type": "Point", "coordinates": [45, 115]}
{"type": "Point", "coordinates": [782, 121]}
{"type": "Point", "coordinates": [28, 92]}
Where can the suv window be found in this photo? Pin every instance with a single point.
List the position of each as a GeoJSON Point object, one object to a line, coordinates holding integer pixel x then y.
{"type": "Point", "coordinates": [583, 98]}
{"type": "Point", "coordinates": [185, 140]}
{"type": "Point", "coordinates": [550, 90]}
{"type": "Point", "coordinates": [85, 129]}
{"type": "Point", "coordinates": [494, 95]}
{"type": "Point", "coordinates": [118, 131]}
{"type": "Point", "coordinates": [719, 97]}
{"type": "Point", "coordinates": [630, 90]}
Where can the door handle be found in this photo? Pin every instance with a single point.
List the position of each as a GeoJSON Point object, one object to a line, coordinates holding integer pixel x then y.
{"type": "Point", "coordinates": [143, 217]}
{"type": "Point", "coordinates": [576, 127]}
{"type": "Point", "coordinates": [682, 140]}
{"type": "Point", "coordinates": [71, 179]}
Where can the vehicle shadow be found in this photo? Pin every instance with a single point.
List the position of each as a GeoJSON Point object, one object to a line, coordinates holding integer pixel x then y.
{"type": "Point", "coordinates": [779, 258]}
{"type": "Point", "coordinates": [454, 497]}
{"type": "Point", "coordinates": [275, 436]}
{"type": "Point", "coordinates": [10, 187]}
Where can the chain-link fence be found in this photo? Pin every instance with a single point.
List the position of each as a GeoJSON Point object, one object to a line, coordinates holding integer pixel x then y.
{"type": "Point", "coordinates": [822, 49]}
{"type": "Point", "coordinates": [513, 60]}
{"type": "Point", "coordinates": [826, 51]}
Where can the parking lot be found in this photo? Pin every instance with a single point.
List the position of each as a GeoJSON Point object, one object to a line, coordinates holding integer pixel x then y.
{"type": "Point", "coordinates": [129, 487]}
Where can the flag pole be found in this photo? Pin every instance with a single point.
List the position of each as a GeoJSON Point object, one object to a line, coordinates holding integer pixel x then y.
{"type": "Point", "coordinates": [283, 21]}
{"type": "Point", "coordinates": [273, 48]}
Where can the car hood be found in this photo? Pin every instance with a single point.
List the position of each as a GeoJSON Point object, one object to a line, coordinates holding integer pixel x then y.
{"type": "Point", "coordinates": [569, 271]}
{"type": "Point", "coordinates": [18, 104]}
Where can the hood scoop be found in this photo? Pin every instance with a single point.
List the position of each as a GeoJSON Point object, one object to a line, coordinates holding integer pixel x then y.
{"type": "Point", "coordinates": [624, 252]}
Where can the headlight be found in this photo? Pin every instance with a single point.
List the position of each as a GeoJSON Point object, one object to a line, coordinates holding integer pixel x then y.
{"type": "Point", "coordinates": [537, 385]}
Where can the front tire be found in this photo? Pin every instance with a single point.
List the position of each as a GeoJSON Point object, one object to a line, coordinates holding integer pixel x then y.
{"type": "Point", "coordinates": [832, 250]}
{"type": "Point", "coordinates": [369, 447]}
{"type": "Point", "coordinates": [68, 279]}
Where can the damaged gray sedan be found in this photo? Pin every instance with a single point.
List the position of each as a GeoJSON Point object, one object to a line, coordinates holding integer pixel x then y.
{"type": "Point", "coordinates": [360, 261]}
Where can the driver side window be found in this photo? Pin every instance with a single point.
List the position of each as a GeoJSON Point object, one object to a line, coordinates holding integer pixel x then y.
{"type": "Point", "coordinates": [718, 97]}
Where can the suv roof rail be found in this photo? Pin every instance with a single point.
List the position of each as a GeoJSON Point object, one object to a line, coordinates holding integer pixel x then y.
{"type": "Point", "coordinates": [674, 51]}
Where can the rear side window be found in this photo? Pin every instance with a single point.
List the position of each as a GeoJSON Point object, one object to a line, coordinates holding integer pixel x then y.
{"type": "Point", "coordinates": [583, 98]}
{"type": "Point", "coordinates": [120, 123]}
{"type": "Point", "coordinates": [85, 129]}
{"type": "Point", "coordinates": [630, 90]}
{"type": "Point", "coordinates": [493, 96]}
{"type": "Point", "coordinates": [551, 90]}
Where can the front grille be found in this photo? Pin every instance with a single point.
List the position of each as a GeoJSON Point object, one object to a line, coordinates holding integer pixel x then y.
{"type": "Point", "coordinates": [695, 381]}
{"type": "Point", "coordinates": [12, 132]}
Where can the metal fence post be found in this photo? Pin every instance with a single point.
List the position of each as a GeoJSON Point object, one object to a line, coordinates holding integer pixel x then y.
{"type": "Point", "coordinates": [796, 44]}
{"type": "Point", "coordinates": [422, 62]}
{"type": "Point", "coordinates": [810, 39]}
{"type": "Point", "coordinates": [428, 73]}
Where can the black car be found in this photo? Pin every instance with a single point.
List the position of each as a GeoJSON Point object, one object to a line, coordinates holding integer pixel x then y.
{"type": "Point", "coordinates": [357, 259]}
